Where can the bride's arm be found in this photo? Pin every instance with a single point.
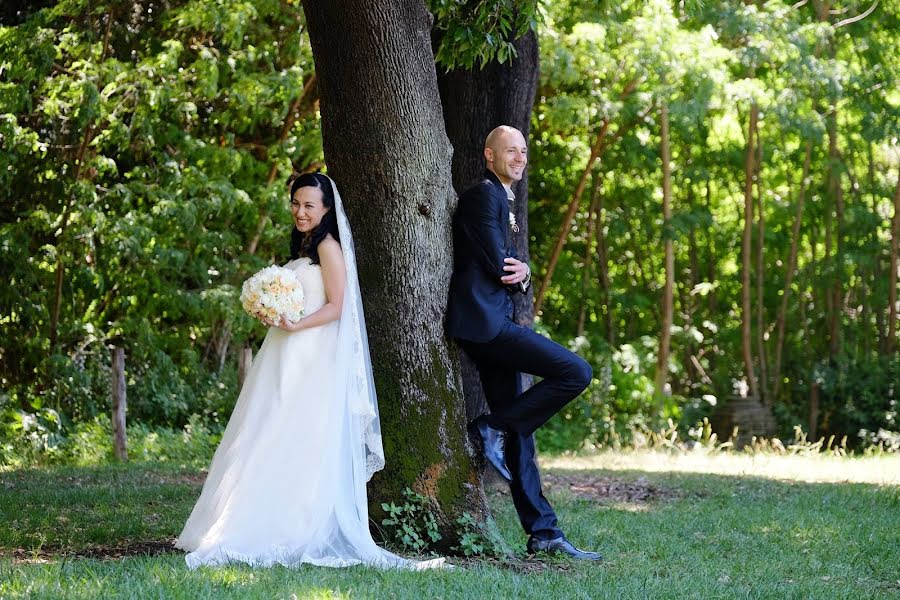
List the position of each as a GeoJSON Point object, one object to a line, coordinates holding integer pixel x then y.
{"type": "Point", "coordinates": [334, 276]}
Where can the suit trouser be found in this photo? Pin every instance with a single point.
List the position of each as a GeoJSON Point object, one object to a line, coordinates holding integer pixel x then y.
{"type": "Point", "coordinates": [564, 375]}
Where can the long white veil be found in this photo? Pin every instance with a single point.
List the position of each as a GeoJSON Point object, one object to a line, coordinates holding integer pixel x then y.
{"type": "Point", "coordinates": [354, 365]}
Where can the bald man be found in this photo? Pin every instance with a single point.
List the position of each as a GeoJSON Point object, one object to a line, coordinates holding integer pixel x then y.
{"type": "Point", "coordinates": [480, 317]}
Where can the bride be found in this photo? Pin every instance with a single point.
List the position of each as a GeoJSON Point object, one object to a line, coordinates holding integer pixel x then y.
{"type": "Point", "coordinates": [287, 484]}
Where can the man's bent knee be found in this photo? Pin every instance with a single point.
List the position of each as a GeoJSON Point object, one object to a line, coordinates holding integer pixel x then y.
{"type": "Point", "coordinates": [580, 374]}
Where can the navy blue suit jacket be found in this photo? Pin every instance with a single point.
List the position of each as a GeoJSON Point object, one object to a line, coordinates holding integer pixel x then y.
{"type": "Point", "coordinates": [479, 303]}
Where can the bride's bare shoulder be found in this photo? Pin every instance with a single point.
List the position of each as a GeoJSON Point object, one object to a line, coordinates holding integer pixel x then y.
{"type": "Point", "coordinates": [330, 252]}
{"type": "Point", "coordinates": [329, 244]}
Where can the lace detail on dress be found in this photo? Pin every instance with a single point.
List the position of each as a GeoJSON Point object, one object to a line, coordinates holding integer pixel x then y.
{"type": "Point", "coordinates": [374, 453]}
{"type": "Point", "coordinates": [354, 341]}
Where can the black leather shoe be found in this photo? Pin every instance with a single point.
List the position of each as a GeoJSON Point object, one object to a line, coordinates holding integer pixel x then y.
{"type": "Point", "coordinates": [560, 545]}
{"type": "Point", "coordinates": [493, 442]}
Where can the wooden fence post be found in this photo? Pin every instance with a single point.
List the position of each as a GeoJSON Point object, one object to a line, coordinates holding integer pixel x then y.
{"type": "Point", "coordinates": [244, 360]}
{"type": "Point", "coordinates": [119, 404]}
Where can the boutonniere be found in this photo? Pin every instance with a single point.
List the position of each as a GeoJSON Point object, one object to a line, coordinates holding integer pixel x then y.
{"type": "Point", "coordinates": [512, 222]}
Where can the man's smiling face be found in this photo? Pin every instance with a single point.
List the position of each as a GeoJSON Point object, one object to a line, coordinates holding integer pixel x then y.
{"type": "Point", "coordinates": [507, 154]}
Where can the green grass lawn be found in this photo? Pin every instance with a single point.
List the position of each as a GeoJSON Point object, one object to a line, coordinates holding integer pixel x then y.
{"type": "Point", "coordinates": [670, 526]}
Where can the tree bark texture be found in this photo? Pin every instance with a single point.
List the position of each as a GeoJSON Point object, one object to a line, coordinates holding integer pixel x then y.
{"type": "Point", "coordinates": [387, 149]}
{"type": "Point", "coordinates": [475, 101]}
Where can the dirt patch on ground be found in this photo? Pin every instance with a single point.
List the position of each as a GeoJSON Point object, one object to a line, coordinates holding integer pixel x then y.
{"type": "Point", "coordinates": [522, 567]}
{"type": "Point", "coordinates": [195, 478]}
{"type": "Point", "coordinates": [137, 548]}
{"type": "Point", "coordinates": [609, 490]}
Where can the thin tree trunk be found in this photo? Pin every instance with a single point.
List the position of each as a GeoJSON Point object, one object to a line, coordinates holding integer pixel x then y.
{"type": "Point", "coordinates": [601, 143]}
{"type": "Point", "coordinates": [665, 334]}
{"type": "Point", "coordinates": [387, 149]}
{"type": "Point", "coordinates": [603, 267]}
{"type": "Point", "coordinates": [781, 320]}
{"type": "Point", "coordinates": [688, 301]}
{"type": "Point", "coordinates": [880, 329]}
{"type": "Point", "coordinates": [747, 250]}
{"type": "Point", "coordinates": [836, 193]}
{"type": "Point", "coordinates": [813, 423]}
{"type": "Point", "coordinates": [892, 277]}
{"type": "Point", "coordinates": [569, 217]}
{"type": "Point", "coordinates": [294, 113]}
{"type": "Point", "coordinates": [760, 275]}
{"type": "Point", "coordinates": [710, 255]}
{"type": "Point", "coordinates": [588, 253]}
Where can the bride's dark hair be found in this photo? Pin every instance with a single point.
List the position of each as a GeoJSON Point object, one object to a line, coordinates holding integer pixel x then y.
{"type": "Point", "coordinates": [308, 244]}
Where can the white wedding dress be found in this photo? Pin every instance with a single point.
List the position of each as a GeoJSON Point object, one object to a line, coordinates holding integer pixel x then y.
{"type": "Point", "coordinates": [287, 484]}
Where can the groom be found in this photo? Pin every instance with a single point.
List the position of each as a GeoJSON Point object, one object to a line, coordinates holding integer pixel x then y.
{"type": "Point", "coordinates": [480, 317]}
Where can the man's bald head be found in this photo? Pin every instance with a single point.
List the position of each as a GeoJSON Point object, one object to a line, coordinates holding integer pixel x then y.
{"type": "Point", "coordinates": [506, 153]}
{"type": "Point", "coordinates": [499, 135]}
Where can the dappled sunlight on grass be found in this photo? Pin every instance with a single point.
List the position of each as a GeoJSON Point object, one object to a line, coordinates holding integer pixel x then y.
{"type": "Point", "coordinates": [630, 507]}
{"type": "Point", "coordinates": [229, 575]}
{"type": "Point", "coordinates": [882, 470]}
{"type": "Point", "coordinates": [708, 527]}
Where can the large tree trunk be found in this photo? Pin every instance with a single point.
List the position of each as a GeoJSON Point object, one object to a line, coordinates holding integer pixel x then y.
{"type": "Point", "coordinates": [475, 101]}
{"type": "Point", "coordinates": [746, 252]}
{"type": "Point", "coordinates": [387, 149]}
{"type": "Point", "coordinates": [665, 334]}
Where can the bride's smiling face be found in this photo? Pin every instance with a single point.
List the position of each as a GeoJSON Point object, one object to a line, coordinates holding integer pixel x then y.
{"type": "Point", "coordinates": [307, 208]}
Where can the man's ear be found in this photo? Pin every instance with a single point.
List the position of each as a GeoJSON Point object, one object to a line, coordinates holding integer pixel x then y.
{"type": "Point", "coordinates": [489, 155]}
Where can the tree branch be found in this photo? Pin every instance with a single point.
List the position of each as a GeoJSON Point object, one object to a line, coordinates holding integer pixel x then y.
{"type": "Point", "coordinates": [852, 20]}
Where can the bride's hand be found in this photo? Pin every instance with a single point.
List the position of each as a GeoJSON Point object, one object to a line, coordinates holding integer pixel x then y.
{"type": "Point", "coordinates": [285, 324]}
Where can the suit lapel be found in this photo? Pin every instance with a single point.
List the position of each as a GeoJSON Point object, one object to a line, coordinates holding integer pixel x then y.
{"type": "Point", "coordinates": [504, 205]}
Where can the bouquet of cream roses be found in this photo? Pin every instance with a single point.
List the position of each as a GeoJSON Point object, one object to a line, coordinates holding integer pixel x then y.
{"type": "Point", "coordinates": [273, 293]}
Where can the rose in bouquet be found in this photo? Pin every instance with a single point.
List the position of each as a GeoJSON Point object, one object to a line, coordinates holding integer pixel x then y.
{"type": "Point", "coordinates": [273, 294]}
